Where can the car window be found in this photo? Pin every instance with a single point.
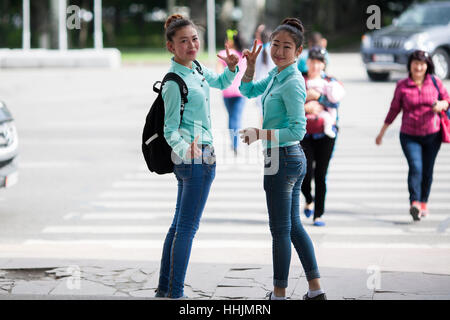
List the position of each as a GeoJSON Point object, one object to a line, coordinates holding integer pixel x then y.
{"type": "Point", "coordinates": [423, 15]}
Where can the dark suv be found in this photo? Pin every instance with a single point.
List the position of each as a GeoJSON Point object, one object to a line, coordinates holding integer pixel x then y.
{"type": "Point", "coordinates": [423, 26]}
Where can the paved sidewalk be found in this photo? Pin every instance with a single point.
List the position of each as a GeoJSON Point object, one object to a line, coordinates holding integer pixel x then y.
{"type": "Point", "coordinates": [34, 279]}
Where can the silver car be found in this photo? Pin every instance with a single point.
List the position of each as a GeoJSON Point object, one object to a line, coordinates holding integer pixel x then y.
{"type": "Point", "coordinates": [9, 146]}
{"type": "Point", "coordinates": [423, 26]}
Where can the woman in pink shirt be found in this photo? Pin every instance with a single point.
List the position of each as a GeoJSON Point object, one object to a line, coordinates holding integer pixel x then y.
{"type": "Point", "coordinates": [420, 136]}
{"type": "Point", "coordinates": [232, 97]}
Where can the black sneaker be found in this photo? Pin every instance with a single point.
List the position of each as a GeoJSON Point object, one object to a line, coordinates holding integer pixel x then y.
{"type": "Point", "coordinates": [414, 211]}
{"type": "Point", "coordinates": [321, 296]}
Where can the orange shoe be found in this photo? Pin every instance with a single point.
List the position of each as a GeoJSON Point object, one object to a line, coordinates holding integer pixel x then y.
{"type": "Point", "coordinates": [423, 210]}
{"type": "Point", "coordinates": [414, 210]}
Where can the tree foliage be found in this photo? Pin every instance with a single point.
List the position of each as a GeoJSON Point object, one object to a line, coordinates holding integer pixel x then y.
{"type": "Point", "coordinates": [126, 23]}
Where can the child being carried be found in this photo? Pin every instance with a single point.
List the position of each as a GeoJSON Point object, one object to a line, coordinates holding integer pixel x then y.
{"type": "Point", "coordinates": [334, 91]}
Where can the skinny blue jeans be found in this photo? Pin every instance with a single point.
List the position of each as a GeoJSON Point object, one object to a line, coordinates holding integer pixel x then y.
{"type": "Point", "coordinates": [194, 182]}
{"type": "Point", "coordinates": [235, 106]}
{"type": "Point", "coordinates": [421, 153]}
{"type": "Point", "coordinates": [282, 187]}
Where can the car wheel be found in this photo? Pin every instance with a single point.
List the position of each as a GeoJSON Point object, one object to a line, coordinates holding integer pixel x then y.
{"type": "Point", "coordinates": [378, 76]}
{"type": "Point", "coordinates": [441, 63]}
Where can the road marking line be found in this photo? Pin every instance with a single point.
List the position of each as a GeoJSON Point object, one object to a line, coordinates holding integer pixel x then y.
{"type": "Point", "coordinates": [234, 228]}
{"type": "Point", "coordinates": [216, 244]}
{"type": "Point", "coordinates": [263, 217]}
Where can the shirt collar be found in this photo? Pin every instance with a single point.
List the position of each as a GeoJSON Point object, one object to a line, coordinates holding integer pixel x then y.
{"type": "Point", "coordinates": [180, 68]}
{"type": "Point", "coordinates": [285, 73]}
{"type": "Point", "coordinates": [411, 83]}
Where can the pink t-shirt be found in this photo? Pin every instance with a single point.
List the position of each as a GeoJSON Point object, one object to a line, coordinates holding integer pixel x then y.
{"type": "Point", "coordinates": [233, 90]}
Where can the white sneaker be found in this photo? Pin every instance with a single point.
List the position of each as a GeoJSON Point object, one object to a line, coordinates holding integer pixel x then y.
{"type": "Point", "coordinates": [271, 296]}
{"type": "Point", "coordinates": [328, 130]}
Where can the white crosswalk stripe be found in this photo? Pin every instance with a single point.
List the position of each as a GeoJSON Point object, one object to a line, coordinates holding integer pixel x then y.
{"type": "Point", "coordinates": [367, 206]}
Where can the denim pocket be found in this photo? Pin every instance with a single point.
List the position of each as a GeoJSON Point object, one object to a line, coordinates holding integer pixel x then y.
{"type": "Point", "coordinates": [294, 151]}
{"type": "Point", "coordinates": [294, 166]}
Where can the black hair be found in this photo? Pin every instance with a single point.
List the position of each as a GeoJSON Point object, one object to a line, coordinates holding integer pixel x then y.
{"type": "Point", "coordinates": [317, 53]}
{"type": "Point", "coordinates": [174, 23]}
{"type": "Point", "coordinates": [421, 56]}
{"type": "Point", "coordinates": [295, 28]}
{"type": "Point", "coordinates": [238, 42]}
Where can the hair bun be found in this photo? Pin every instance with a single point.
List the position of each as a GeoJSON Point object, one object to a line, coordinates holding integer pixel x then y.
{"type": "Point", "coordinates": [294, 22]}
{"type": "Point", "coordinates": [172, 18]}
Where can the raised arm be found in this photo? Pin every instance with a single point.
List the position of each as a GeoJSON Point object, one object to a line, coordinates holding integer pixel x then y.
{"type": "Point", "coordinates": [225, 79]}
{"type": "Point", "coordinates": [249, 88]}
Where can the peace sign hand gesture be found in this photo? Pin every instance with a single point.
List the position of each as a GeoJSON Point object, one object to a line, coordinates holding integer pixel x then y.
{"type": "Point", "coordinates": [231, 59]}
{"type": "Point", "coordinates": [252, 55]}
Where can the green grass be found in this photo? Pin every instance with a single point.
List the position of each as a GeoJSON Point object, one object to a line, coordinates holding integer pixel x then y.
{"type": "Point", "coordinates": [150, 55]}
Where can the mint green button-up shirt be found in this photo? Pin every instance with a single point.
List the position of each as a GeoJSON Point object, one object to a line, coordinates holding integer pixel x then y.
{"type": "Point", "coordinates": [283, 101]}
{"type": "Point", "coordinates": [196, 117]}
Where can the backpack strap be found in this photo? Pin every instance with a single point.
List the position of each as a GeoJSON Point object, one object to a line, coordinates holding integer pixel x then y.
{"type": "Point", "coordinates": [171, 76]}
{"type": "Point", "coordinates": [198, 67]}
{"type": "Point", "coordinates": [437, 88]}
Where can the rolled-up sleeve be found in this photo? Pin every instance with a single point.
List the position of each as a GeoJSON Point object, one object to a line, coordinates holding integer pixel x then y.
{"type": "Point", "coordinates": [294, 99]}
{"type": "Point", "coordinates": [253, 89]}
{"type": "Point", "coordinates": [172, 104]}
{"type": "Point", "coordinates": [396, 105]}
{"type": "Point", "coordinates": [220, 81]}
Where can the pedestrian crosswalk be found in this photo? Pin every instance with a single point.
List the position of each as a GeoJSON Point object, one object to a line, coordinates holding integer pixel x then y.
{"type": "Point", "coordinates": [367, 206]}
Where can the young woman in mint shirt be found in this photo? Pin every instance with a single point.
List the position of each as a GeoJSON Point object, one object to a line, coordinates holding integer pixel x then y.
{"type": "Point", "coordinates": [192, 144]}
{"type": "Point", "coordinates": [284, 126]}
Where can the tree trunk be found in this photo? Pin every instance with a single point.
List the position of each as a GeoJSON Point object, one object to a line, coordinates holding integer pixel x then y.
{"type": "Point", "coordinates": [251, 12]}
{"type": "Point", "coordinates": [53, 24]}
{"type": "Point", "coordinates": [84, 31]}
{"type": "Point", "coordinates": [40, 24]}
{"type": "Point", "coordinates": [198, 15]}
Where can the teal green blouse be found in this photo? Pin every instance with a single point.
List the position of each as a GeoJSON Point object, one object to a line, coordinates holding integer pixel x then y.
{"type": "Point", "coordinates": [196, 117]}
{"type": "Point", "coordinates": [283, 100]}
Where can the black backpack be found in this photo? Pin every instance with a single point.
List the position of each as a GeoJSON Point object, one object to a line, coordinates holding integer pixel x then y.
{"type": "Point", "coordinates": [157, 152]}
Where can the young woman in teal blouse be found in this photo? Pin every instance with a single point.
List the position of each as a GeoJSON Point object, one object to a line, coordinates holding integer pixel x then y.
{"type": "Point", "coordinates": [284, 126]}
{"type": "Point", "coordinates": [192, 144]}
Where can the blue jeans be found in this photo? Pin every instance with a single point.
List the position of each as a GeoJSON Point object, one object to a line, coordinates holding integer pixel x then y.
{"type": "Point", "coordinates": [235, 106]}
{"type": "Point", "coordinates": [283, 203]}
{"type": "Point", "coordinates": [194, 182]}
{"type": "Point", "coordinates": [421, 153]}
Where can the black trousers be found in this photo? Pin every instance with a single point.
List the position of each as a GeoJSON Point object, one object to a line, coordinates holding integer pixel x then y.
{"type": "Point", "coordinates": [318, 154]}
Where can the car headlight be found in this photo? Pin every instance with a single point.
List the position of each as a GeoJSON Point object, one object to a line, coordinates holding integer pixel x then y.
{"type": "Point", "coordinates": [422, 42]}
{"type": "Point", "coordinates": [417, 42]}
{"type": "Point", "coordinates": [366, 41]}
{"type": "Point", "coordinates": [409, 45]}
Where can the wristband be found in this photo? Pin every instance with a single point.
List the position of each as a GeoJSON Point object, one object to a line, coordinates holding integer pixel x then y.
{"type": "Point", "coordinates": [246, 77]}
